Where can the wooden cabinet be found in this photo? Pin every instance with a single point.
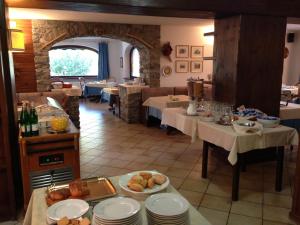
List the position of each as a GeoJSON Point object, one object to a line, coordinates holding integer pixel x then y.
{"type": "Point", "coordinates": [49, 158]}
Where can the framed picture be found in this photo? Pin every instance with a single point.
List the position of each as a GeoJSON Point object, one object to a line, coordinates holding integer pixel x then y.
{"type": "Point", "coordinates": [181, 66]}
{"type": "Point", "coordinates": [182, 51]}
{"type": "Point", "coordinates": [197, 51]}
{"type": "Point", "coordinates": [196, 66]}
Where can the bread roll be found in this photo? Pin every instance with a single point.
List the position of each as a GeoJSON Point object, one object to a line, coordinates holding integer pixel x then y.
{"type": "Point", "coordinates": [145, 182]}
{"type": "Point", "coordinates": [146, 175]}
{"type": "Point", "coordinates": [136, 187]}
{"type": "Point", "coordinates": [151, 183]}
{"type": "Point", "coordinates": [63, 221]}
{"type": "Point", "coordinates": [137, 179]}
{"type": "Point", "coordinates": [85, 221]}
{"type": "Point", "coordinates": [159, 179]}
{"type": "Point", "coordinates": [56, 195]}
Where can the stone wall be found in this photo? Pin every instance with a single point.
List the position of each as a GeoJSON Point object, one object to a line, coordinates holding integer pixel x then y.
{"type": "Point", "coordinates": [50, 31]}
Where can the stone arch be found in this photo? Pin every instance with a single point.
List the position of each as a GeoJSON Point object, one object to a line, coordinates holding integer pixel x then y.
{"type": "Point", "coordinates": [50, 31]}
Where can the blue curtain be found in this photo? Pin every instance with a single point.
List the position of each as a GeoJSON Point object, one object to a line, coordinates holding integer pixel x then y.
{"type": "Point", "coordinates": [103, 64]}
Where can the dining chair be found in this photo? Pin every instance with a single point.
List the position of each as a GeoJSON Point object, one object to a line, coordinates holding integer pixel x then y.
{"type": "Point", "coordinates": [286, 96]}
{"type": "Point", "coordinates": [82, 83]}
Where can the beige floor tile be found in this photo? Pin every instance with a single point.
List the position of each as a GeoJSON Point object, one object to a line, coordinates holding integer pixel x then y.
{"type": "Point", "coordinates": [134, 166]}
{"type": "Point", "coordinates": [164, 162]}
{"type": "Point", "coordinates": [144, 159]}
{"type": "Point", "coordinates": [219, 190]}
{"type": "Point", "coordinates": [175, 172]}
{"type": "Point", "coordinates": [251, 196]}
{"type": "Point", "coordinates": [213, 217]}
{"type": "Point", "coordinates": [246, 209]}
{"type": "Point", "coordinates": [195, 185]}
{"type": "Point", "coordinates": [127, 156]}
{"type": "Point", "coordinates": [277, 200]}
{"type": "Point", "coordinates": [119, 163]}
{"type": "Point", "coordinates": [183, 165]}
{"type": "Point", "coordinates": [161, 169]}
{"type": "Point", "coordinates": [243, 220]}
{"type": "Point", "coordinates": [267, 222]}
{"type": "Point", "coordinates": [277, 214]}
{"type": "Point", "coordinates": [251, 184]}
{"type": "Point", "coordinates": [215, 202]}
{"type": "Point", "coordinates": [193, 197]}
{"type": "Point", "coordinates": [270, 188]}
{"type": "Point", "coordinates": [176, 182]}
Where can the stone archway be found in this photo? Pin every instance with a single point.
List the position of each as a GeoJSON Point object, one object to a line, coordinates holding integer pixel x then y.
{"type": "Point", "coordinates": [146, 38]}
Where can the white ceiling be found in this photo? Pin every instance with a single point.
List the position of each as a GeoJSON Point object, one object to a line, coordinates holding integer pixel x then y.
{"type": "Point", "coordinates": [24, 13]}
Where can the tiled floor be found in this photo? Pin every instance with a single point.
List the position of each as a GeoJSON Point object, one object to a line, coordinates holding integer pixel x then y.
{"type": "Point", "coordinates": [109, 146]}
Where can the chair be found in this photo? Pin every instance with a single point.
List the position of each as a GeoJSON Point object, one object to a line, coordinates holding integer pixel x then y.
{"type": "Point", "coordinates": [286, 96]}
{"type": "Point", "coordinates": [82, 83]}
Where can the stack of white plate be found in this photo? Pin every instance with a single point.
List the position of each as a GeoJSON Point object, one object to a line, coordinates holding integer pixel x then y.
{"type": "Point", "coordinates": [117, 211]}
{"type": "Point", "coordinates": [167, 208]}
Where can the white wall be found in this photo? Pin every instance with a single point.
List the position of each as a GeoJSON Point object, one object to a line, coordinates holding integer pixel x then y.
{"type": "Point", "coordinates": [291, 67]}
{"type": "Point", "coordinates": [186, 35]}
{"type": "Point", "coordinates": [116, 49]}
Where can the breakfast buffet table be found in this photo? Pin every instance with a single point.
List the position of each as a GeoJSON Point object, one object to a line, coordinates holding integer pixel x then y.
{"type": "Point", "coordinates": [37, 208]}
{"type": "Point", "coordinates": [234, 142]}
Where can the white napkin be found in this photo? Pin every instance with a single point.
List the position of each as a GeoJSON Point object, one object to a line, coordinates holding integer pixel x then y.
{"type": "Point", "coordinates": [257, 128]}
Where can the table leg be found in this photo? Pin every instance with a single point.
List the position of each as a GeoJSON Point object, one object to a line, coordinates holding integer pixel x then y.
{"type": "Point", "coordinates": [204, 159]}
{"type": "Point", "coordinates": [279, 168]}
{"type": "Point", "coordinates": [243, 162]}
{"type": "Point", "coordinates": [236, 180]}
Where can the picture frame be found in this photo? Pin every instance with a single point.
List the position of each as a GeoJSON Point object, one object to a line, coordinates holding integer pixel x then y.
{"type": "Point", "coordinates": [197, 52]}
{"type": "Point", "coordinates": [182, 51]}
{"type": "Point", "coordinates": [181, 66]}
{"type": "Point", "coordinates": [196, 66]}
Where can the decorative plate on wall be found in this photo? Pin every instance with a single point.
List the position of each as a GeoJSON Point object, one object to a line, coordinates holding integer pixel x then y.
{"type": "Point", "coordinates": [166, 71]}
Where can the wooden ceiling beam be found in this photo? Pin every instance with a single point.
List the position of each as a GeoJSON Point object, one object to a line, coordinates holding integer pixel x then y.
{"type": "Point", "coordinates": [171, 8]}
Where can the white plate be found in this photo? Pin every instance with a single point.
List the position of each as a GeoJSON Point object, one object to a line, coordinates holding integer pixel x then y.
{"type": "Point", "coordinates": [167, 204]}
{"type": "Point", "coordinates": [123, 181]}
{"type": "Point", "coordinates": [117, 208]}
{"type": "Point", "coordinates": [71, 208]}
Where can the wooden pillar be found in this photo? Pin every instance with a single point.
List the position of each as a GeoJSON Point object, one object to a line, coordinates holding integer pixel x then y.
{"type": "Point", "coordinates": [10, 179]}
{"type": "Point", "coordinates": [295, 213]}
{"type": "Point", "coordinates": [249, 61]}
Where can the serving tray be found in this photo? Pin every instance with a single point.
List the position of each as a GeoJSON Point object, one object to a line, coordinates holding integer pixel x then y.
{"type": "Point", "coordinates": [99, 188]}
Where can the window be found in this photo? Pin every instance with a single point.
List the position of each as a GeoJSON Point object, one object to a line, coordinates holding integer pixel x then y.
{"type": "Point", "coordinates": [134, 63]}
{"type": "Point", "coordinates": [73, 61]}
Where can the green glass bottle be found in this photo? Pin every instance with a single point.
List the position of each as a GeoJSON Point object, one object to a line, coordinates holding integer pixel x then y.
{"type": "Point", "coordinates": [22, 119]}
{"type": "Point", "coordinates": [34, 122]}
{"type": "Point", "coordinates": [27, 132]}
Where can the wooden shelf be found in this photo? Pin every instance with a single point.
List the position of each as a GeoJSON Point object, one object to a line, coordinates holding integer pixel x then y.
{"type": "Point", "coordinates": [209, 34]}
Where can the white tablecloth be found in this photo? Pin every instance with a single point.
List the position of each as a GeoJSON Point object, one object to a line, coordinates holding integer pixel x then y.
{"type": "Point", "coordinates": [177, 118]}
{"type": "Point", "coordinates": [292, 89]}
{"type": "Point", "coordinates": [37, 208]}
{"type": "Point", "coordinates": [96, 84]}
{"type": "Point", "coordinates": [225, 136]}
{"type": "Point", "coordinates": [163, 102]}
{"type": "Point", "coordinates": [111, 90]}
{"type": "Point", "coordinates": [131, 89]}
{"type": "Point", "coordinates": [290, 112]}
{"type": "Point", "coordinates": [74, 91]}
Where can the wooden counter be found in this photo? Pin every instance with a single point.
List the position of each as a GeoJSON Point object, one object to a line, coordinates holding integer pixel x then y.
{"type": "Point", "coordinates": [49, 158]}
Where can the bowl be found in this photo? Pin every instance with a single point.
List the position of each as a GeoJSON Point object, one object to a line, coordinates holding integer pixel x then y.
{"type": "Point", "coordinates": [59, 123]}
{"type": "Point", "coordinates": [269, 121]}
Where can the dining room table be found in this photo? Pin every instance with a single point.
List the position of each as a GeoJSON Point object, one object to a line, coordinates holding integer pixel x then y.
{"type": "Point", "coordinates": [235, 143]}
{"type": "Point", "coordinates": [36, 213]}
{"type": "Point", "coordinates": [155, 105]}
{"type": "Point", "coordinates": [290, 115]}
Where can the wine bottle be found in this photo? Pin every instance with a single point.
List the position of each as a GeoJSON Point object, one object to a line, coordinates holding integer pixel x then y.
{"type": "Point", "coordinates": [26, 122]}
{"type": "Point", "coordinates": [22, 119]}
{"type": "Point", "coordinates": [34, 126]}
